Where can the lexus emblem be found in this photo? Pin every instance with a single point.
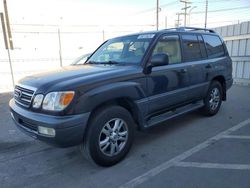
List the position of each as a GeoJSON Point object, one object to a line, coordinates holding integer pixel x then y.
{"type": "Point", "coordinates": [19, 93]}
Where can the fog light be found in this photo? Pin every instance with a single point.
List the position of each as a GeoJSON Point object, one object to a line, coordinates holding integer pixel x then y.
{"type": "Point", "coordinates": [47, 131]}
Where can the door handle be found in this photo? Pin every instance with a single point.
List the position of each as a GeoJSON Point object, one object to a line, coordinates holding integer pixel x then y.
{"type": "Point", "coordinates": [183, 71]}
{"type": "Point", "coordinates": [208, 66]}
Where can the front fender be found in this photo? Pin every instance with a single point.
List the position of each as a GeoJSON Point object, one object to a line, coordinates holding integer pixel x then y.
{"type": "Point", "coordinates": [93, 98]}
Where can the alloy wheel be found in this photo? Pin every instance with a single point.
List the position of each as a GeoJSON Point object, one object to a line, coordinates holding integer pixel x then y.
{"type": "Point", "coordinates": [113, 137]}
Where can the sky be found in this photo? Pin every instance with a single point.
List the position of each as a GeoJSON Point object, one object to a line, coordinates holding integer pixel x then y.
{"type": "Point", "coordinates": [104, 13]}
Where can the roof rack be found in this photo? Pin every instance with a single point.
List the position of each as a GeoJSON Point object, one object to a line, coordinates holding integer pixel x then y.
{"type": "Point", "coordinates": [195, 29]}
{"type": "Point", "coordinates": [192, 29]}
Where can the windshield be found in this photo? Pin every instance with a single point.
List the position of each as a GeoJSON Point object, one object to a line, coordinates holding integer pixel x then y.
{"type": "Point", "coordinates": [129, 49]}
{"type": "Point", "coordinates": [82, 59]}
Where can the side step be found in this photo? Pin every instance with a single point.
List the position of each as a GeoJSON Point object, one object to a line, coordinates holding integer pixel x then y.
{"type": "Point", "coordinates": [174, 113]}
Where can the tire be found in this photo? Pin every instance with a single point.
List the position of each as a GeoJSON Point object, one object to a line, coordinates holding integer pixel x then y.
{"type": "Point", "coordinates": [109, 136]}
{"type": "Point", "coordinates": [213, 99]}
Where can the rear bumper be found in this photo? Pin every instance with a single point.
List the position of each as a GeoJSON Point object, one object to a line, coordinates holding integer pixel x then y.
{"type": "Point", "coordinates": [69, 129]}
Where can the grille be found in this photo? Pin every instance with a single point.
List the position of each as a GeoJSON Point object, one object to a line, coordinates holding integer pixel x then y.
{"type": "Point", "coordinates": [23, 95]}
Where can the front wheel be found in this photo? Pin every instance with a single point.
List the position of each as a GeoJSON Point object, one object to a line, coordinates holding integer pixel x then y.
{"type": "Point", "coordinates": [109, 136]}
{"type": "Point", "coordinates": [213, 99]}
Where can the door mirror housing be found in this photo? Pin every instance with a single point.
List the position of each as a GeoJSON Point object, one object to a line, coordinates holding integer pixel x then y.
{"type": "Point", "coordinates": [160, 59]}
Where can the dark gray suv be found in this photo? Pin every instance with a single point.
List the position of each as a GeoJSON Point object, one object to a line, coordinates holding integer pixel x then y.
{"type": "Point", "coordinates": [130, 82]}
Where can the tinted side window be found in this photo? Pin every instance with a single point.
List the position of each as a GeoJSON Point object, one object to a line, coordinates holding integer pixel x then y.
{"type": "Point", "coordinates": [202, 47]}
{"type": "Point", "coordinates": [214, 46]}
{"type": "Point", "coordinates": [170, 45]}
{"type": "Point", "coordinates": [191, 48]}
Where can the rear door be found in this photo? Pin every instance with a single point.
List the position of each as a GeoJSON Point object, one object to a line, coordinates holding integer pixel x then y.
{"type": "Point", "coordinates": [195, 58]}
{"type": "Point", "coordinates": [218, 62]}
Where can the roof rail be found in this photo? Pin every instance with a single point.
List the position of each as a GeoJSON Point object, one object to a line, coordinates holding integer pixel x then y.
{"type": "Point", "coordinates": [191, 29]}
{"type": "Point", "coordinates": [195, 29]}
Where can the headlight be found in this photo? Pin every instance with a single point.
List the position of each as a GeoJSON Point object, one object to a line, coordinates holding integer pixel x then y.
{"type": "Point", "coordinates": [57, 101]}
{"type": "Point", "coordinates": [37, 101]}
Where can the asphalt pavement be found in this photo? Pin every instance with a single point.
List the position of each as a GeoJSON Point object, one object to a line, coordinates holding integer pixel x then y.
{"type": "Point", "coordinates": [191, 151]}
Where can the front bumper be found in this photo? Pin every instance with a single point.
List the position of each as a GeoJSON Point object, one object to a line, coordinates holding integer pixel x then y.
{"type": "Point", "coordinates": [69, 129]}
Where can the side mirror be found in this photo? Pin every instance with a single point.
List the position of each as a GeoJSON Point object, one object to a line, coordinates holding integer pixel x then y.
{"type": "Point", "coordinates": [160, 59]}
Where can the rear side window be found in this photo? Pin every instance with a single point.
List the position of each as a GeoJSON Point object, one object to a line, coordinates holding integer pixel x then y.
{"type": "Point", "coordinates": [191, 48]}
{"type": "Point", "coordinates": [214, 46]}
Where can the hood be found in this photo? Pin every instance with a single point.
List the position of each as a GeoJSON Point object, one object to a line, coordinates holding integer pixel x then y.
{"type": "Point", "coordinates": [71, 73]}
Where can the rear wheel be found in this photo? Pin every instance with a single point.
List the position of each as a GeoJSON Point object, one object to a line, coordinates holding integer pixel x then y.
{"type": "Point", "coordinates": [213, 99]}
{"type": "Point", "coordinates": [109, 136]}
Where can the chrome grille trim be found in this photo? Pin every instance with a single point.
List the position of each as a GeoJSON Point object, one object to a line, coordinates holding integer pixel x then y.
{"type": "Point", "coordinates": [23, 95]}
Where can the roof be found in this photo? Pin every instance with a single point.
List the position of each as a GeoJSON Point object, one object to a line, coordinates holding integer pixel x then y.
{"type": "Point", "coordinates": [178, 29]}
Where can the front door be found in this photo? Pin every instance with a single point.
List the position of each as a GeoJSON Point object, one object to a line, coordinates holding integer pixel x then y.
{"type": "Point", "coordinates": [167, 86]}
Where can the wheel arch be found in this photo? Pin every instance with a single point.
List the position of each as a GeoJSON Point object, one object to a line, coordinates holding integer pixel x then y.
{"type": "Point", "coordinates": [221, 79]}
{"type": "Point", "coordinates": [124, 102]}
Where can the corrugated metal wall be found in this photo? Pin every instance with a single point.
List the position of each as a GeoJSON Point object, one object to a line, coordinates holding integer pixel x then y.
{"type": "Point", "coordinates": [237, 39]}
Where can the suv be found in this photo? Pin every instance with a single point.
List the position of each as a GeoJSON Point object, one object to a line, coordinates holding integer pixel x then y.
{"type": "Point", "coordinates": [131, 82]}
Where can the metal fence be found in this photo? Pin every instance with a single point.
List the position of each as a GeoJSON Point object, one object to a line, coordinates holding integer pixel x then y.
{"type": "Point", "coordinates": [237, 39]}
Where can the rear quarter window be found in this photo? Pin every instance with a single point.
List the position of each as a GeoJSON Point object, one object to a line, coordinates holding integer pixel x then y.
{"type": "Point", "coordinates": [214, 46]}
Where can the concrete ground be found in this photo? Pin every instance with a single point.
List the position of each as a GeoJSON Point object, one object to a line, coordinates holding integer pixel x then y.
{"type": "Point", "coordinates": [191, 151]}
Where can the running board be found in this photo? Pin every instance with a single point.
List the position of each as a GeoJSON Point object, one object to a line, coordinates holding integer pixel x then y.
{"type": "Point", "coordinates": [174, 113]}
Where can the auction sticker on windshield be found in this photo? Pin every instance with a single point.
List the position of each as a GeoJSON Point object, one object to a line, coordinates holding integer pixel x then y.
{"type": "Point", "coordinates": [146, 36]}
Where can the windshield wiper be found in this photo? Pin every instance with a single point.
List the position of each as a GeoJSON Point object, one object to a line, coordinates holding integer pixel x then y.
{"type": "Point", "coordinates": [111, 62]}
{"type": "Point", "coordinates": [105, 62]}
{"type": "Point", "coordinates": [92, 62]}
